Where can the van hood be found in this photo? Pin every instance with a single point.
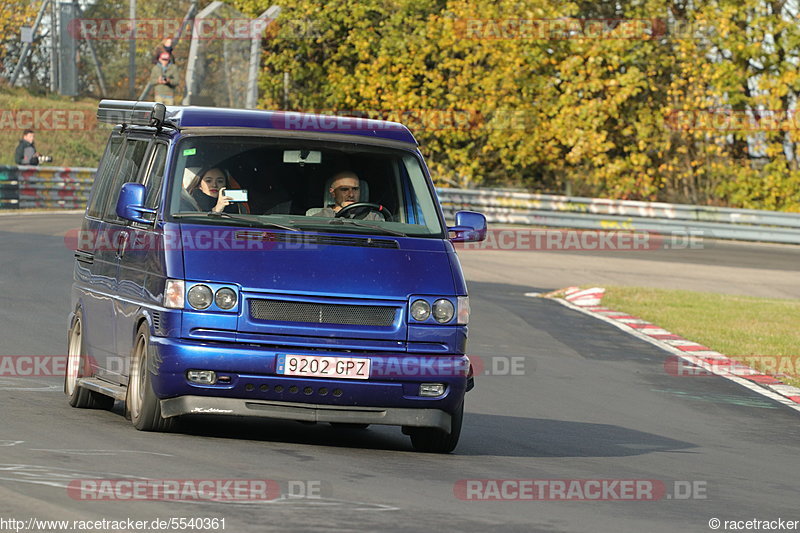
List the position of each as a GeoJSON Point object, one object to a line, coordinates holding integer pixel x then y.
{"type": "Point", "coordinates": [339, 265]}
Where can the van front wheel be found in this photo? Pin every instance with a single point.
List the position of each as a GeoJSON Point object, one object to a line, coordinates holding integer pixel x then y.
{"type": "Point", "coordinates": [141, 403]}
{"type": "Point", "coordinates": [432, 440]}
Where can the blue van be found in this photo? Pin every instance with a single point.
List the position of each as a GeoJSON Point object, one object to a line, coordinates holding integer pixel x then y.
{"type": "Point", "coordinates": [268, 264]}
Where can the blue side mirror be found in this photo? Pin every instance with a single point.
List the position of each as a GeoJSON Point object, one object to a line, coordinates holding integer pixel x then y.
{"type": "Point", "coordinates": [130, 204]}
{"type": "Point", "coordinates": [470, 227]}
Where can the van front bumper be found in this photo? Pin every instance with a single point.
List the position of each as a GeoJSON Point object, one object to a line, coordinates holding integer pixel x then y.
{"type": "Point", "coordinates": [253, 388]}
{"type": "Point", "coordinates": [392, 416]}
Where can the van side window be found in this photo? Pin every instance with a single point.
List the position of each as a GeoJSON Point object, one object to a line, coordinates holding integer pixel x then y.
{"type": "Point", "coordinates": [128, 171]}
{"type": "Point", "coordinates": [104, 175]}
{"type": "Point", "coordinates": [154, 176]}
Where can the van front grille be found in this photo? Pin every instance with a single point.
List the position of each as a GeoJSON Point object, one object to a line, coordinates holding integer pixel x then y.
{"type": "Point", "coordinates": [358, 315]}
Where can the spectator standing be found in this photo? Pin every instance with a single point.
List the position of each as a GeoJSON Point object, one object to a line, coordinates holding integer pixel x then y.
{"type": "Point", "coordinates": [26, 153]}
{"type": "Point", "coordinates": [164, 78]}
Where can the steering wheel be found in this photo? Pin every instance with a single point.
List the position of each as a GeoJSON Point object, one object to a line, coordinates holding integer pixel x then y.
{"type": "Point", "coordinates": [363, 208]}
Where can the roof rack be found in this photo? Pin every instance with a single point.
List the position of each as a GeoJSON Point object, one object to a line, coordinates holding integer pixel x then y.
{"type": "Point", "coordinates": [132, 113]}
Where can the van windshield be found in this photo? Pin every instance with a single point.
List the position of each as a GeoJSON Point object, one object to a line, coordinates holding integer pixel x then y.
{"type": "Point", "coordinates": [315, 185]}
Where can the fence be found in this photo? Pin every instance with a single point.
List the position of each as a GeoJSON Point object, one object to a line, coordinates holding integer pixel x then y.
{"type": "Point", "coordinates": [595, 213]}
{"type": "Point", "coordinates": [44, 187]}
{"type": "Point", "coordinates": [68, 188]}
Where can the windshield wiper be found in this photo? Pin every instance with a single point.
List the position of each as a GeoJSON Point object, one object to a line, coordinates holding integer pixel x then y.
{"type": "Point", "coordinates": [351, 222]}
{"type": "Point", "coordinates": [223, 214]}
{"type": "Point", "coordinates": [245, 220]}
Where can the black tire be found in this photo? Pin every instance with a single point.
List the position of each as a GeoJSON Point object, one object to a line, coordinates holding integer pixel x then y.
{"type": "Point", "coordinates": [349, 425]}
{"type": "Point", "coordinates": [433, 440]}
{"type": "Point", "coordinates": [141, 403]}
{"type": "Point", "coordinates": [77, 367]}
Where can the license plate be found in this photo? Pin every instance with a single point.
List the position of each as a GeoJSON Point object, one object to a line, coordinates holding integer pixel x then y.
{"type": "Point", "coordinates": [323, 367]}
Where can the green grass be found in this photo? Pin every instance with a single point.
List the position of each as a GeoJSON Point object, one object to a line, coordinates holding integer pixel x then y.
{"type": "Point", "coordinates": [738, 326]}
{"type": "Point", "coordinates": [72, 148]}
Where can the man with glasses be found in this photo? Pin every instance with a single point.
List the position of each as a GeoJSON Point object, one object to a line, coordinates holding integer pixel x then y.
{"type": "Point", "coordinates": [345, 189]}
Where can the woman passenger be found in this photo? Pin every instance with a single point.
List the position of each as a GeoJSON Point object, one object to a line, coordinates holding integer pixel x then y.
{"type": "Point", "coordinates": [208, 190]}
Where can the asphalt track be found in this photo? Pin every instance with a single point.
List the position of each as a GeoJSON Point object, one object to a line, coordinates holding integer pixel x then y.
{"type": "Point", "coordinates": [587, 402]}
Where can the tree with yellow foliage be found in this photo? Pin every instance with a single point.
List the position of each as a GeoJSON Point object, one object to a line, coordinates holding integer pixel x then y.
{"type": "Point", "coordinates": [14, 14]}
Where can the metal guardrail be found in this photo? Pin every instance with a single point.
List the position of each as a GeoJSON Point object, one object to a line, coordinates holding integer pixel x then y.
{"type": "Point", "coordinates": [602, 214]}
{"type": "Point", "coordinates": [68, 188]}
{"type": "Point", "coordinates": [24, 187]}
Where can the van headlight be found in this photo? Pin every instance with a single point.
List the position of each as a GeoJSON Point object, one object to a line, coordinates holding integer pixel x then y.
{"type": "Point", "coordinates": [443, 311]}
{"type": "Point", "coordinates": [200, 296]}
{"type": "Point", "coordinates": [420, 310]}
{"type": "Point", "coordinates": [225, 298]}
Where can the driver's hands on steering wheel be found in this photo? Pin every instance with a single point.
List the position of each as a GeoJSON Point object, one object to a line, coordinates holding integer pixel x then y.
{"type": "Point", "coordinates": [366, 207]}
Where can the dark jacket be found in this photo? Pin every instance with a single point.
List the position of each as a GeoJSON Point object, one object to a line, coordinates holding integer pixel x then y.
{"type": "Point", "coordinates": [25, 154]}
